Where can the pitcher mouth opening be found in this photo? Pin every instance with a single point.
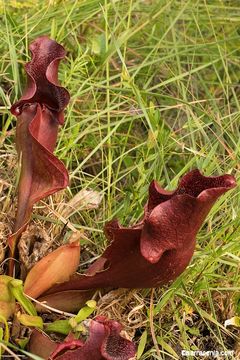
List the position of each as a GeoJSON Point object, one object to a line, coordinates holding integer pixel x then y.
{"type": "Point", "coordinates": [194, 183]}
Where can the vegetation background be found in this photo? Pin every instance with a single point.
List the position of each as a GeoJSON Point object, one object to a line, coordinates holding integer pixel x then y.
{"type": "Point", "coordinates": [154, 90]}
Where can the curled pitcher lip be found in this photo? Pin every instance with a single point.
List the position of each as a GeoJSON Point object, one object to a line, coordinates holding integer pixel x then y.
{"type": "Point", "coordinates": [42, 78]}
{"type": "Point", "coordinates": [104, 341]}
